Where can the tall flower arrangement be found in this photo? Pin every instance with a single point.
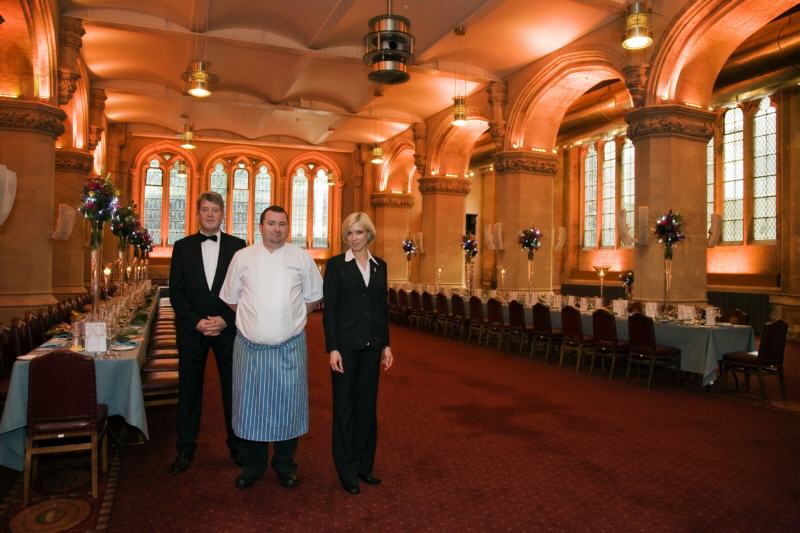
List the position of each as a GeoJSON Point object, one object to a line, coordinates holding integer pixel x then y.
{"type": "Point", "coordinates": [409, 248]}
{"type": "Point", "coordinates": [669, 229]}
{"type": "Point", "coordinates": [470, 246]}
{"type": "Point", "coordinates": [530, 239]}
{"type": "Point", "coordinates": [124, 222]}
{"type": "Point", "coordinates": [98, 203]}
{"type": "Point", "coordinates": [627, 282]}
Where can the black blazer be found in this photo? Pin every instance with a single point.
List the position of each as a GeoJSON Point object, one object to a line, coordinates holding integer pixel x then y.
{"type": "Point", "coordinates": [355, 315]}
{"type": "Point", "coordinates": [188, 288]}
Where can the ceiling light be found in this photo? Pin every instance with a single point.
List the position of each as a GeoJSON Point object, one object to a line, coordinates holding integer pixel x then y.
{"type": "Point", "coordinates": [199, 78]}
{"type": "Point", "coordinates": [377, 155]}
{"type": "Point", "coordinates": [182, 171]}
{"type": "Point", "coordinates": [388, 48]}
{"type": "Point", "coordinates": [459, 111]}
{"type": "Point", "coordinates": [637, 26]}
{"type": "Point", "coordinates": [186, 137]}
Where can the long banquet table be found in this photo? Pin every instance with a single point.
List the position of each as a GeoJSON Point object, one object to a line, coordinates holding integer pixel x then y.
{"type": "Point", "coordinates": [119, 386]}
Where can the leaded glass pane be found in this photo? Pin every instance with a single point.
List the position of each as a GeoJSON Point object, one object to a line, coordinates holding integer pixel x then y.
{"type": "Point", "coordinates": [765, 179]}
{"type": "Point", "coordinates": [608, 235]}
{"type": "Point", "coordinates": [153, 194]}
{"type": "Point", "coordinates": [300, 208]}
{"type": "Point", "coordinates": [590, 198]}
{"type": "Point", "coordinates": [240, 201]}
{"type": "Point", "coordinates": [628, 184]}
{"type": "Point", "coordinates": [733, 175]}
{"type": "Point", "coordinates": [177, 205]}
{"type": "Point", "coordinates": [709, 182]}
{"type": "Point", "coordinates": [320, 227]}
{"type": "Point", "coordinates": [263, 197]}
{"type": "Point", "coordinates": [219, 183]}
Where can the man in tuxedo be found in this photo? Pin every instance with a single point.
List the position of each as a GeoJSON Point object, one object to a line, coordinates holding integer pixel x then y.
{"type": "Point", "coordinates": [202, 321]}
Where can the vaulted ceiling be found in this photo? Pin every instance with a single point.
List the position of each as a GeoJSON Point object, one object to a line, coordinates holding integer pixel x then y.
{"type": "Point", "coordinates": [291, 71]}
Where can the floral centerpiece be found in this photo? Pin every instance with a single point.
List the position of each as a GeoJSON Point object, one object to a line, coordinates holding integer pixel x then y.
{"type": "Point", "coordinates": [409, 248]}
{"type": "Point", "coordinates": [627, 282]}
{"type": "Point", "coordinates": [669, 231]}
{"type": "Point", "coordinates": [530, 239]}
{"type": "Point", "coordinates": [142, 242]}
{"type": "Point", "coordinates": [98, 203]}
{"type": "Point", "coordinates": [123, 223]}
{"type": "Point", "coordinates": [470, 246]}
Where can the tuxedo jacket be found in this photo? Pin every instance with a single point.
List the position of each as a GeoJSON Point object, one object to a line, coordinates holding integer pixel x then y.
{"type": "Point", "coordinates": [189, 292]}
{"type": "Point", "coordinates": [355, 315]}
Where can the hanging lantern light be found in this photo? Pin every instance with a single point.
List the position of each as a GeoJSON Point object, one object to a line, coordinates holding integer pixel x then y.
{"type": "Point", "coordinates": [182, 171]}
{"type": "Point", "coordinates": [377, 155]}
{"type": "Point", "coordinates": [187, 137]}
{"type": "Point", "coordinates": [459, 111]}
{"type": "Point", "coordinates": [199, 78]}
{"type": "Point", "coordinates": [388, 48]}
{"type": "Point", "coordinates": [637, 27]}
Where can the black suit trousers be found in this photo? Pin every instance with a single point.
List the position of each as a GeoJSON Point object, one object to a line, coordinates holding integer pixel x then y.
{"type": "Point", "coordinates": [355, 424]}
{"type": "Point", "coordinates": [192, 366]}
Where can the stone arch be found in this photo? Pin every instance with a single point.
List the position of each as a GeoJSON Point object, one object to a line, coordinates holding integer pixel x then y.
{"type": "Point", "coordinates": [450, 147]}
{"type": "Point", "coordinates": [43, 50]}
{"type": "Point", "coordinates": [536, 115]}
{"type": "Point", "coordinates": [699, 41]}
{"type": "Point", "coordinates": [241, 151]}
{"type": "Point", "coordinates": [398, 169]}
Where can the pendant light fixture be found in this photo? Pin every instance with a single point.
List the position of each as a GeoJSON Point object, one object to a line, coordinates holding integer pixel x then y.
{"type": "Point", "coordinates": [377, 151]}
{"type": "Point", "coordinates": [197, 73]}
{"type": "Point", "coordinates": [637, 26]}
{"type": "Point", "coordinates": [460, 96]}
{"type": "Point", "coordinates": [182, 170]}
{"type": "Point", "coordinates": [186, 135]}
{"type": "Point", "coordinates": [388, 48]}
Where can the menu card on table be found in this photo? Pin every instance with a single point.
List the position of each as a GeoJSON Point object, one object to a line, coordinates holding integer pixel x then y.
{"type": "Point", "coordinates": [95, 337]}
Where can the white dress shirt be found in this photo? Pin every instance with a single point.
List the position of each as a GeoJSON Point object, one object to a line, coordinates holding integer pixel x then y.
{"type": "Point", "coordinates": [210, 251]}
{"type": "Point", "coordinates": [350, 256]}
{"type": "Point", "coordinates": [271, 290]}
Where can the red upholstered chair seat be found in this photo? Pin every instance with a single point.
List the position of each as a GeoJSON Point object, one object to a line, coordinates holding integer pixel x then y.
{"type": "Point", "coordinates": [768, 360]}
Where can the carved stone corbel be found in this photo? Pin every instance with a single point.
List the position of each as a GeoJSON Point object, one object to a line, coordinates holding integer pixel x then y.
{"type": "Point", "coordinates": [70, 40]}
{"type": "Point", "coordinates": [97, 105]}
{"type": "Point", "coordinates": [498, 97]}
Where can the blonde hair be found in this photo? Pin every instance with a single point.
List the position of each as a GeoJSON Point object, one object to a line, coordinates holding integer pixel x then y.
{"type": "Point", "coordinates": [358, 218]}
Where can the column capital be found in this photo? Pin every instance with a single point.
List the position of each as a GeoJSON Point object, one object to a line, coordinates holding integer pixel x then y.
{"type": "Point", "coordinates": [24, 115]}
{"type": "Point", "coordinates": [70, 40]}
{"type": "Point", "coordinates": [387, 199]}
{"type": "Point", "coordinates": [636, 82]}
{"type": "Point", "coordinates": [444, 185]}
{"type": "Point", "coordinates": [670, 120]}
{"type": "Point", "coordinates": [74, 161]}
{"type": "Point", "coordinates": [525, 163]}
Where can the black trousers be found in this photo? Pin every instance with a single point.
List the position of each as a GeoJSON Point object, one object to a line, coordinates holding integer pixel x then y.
{"type": "Point", "coordinates": [192, 367]}
{"type": "Point", "coordinates": [355, 424]}
{"type": "Point", "coordinates": [253, 457]}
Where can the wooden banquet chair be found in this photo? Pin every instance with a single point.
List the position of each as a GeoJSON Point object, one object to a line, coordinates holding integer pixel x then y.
{"type": "Point", "coordinates": [497, 325]}
{"type": "Point", "coordinates": [737, 316]}
{"type": "Point", "coordinates": [572, 337]}
{"type": "Point", "coordinates": [768, 360]}
{"type": "Point", "coordinates": [476, 321]}
{"type": "Point", "coordinates": [543, 330]}
{"type": "Point", "coordinates": [394, 306]}
{"type": "Point", "coordinates": [518, 330]}
{"type": "Point", "coordinates": [443, 315]}
{"type": "Point", "coordinates": [607, 345]}
{"type": "Point", "coordinates": [427, 317]}
{"type": "Point", "coordinates": [458, 315]}
{"type": "Point", "coordinates": [20, 337]}
{"type": "Point", "coordinates": [645, 351]}
{"type": "Point", "coordinates": [415, 309]}
{"type": "Point", "coordinates": [63, 413]}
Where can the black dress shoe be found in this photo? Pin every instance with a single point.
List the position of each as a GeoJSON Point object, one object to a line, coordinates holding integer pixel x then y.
{"type": "Point", "coordinates": [289, 481]}
{"type": "Point", "coordinates": [243, 481]}
{"type": "Point", "coordinates": [370, 479]}
{"type": "Point", "coordinates": [181, 463]}
{"type": "Point", "coordinates": [351, 488]}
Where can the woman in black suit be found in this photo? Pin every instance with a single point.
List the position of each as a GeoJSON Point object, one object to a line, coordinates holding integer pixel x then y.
{"type": "Point", "coordinates": [356, 320]}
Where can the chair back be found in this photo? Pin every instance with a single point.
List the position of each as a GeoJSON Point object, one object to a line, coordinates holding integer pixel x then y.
{"type": "Point", "coordinates": [416, 303]}
{"type": "Point", "coordinates": [441, 304]}
{"type": "Point", "coordinates": [641, 333]}
{"type": "Point", "coordinates": [427, 302]}
{"type": "Point", "coordinates": [516, 314]}
{"type": "Point", "coordinates": [571, 326]}
{"type": "Point", "coordinates": [35, 329]}
{"type": "Point", "coordinates": [604, 329]}
{"type": "Point", "coordinates": [402, 297]}
{"type": "Point", "coordinates": [392, 298]}
{"type": "Point", "coordinates": [636, 307]}
{"type": "Point", "coordinates": [541, 319]}
{"type": "Point", "coordinates": [475, 309]}
{"type": "Point", "coordinates": [457, 303]}
{"type": "Point", "coordinates": [737, 316]}
{"type": "Point", "coordinates": [19, 336]}
{"type": "Point", "coordinates": [773, 341]}
{"type": "Point", "coordinates": [494, 311]}
{"type": "Point", "coordinates": [7, 353]}
{"type": "Point", "coordinates": [61, 387]}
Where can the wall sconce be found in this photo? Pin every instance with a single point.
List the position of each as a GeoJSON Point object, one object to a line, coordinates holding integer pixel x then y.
{"type": "Point", "coordinates": [637, 26]}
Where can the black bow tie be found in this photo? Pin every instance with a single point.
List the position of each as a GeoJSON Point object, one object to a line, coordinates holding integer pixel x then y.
{"type": "Point", "coordinates": [204, 237]}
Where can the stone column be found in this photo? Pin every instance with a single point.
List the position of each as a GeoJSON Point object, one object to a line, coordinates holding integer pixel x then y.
{"type": "Point", "coordinates": [488, 201]}
{"type": "Point", "coordinates": [525, 197]}
{"type": "Point", "coordinates": [70, 41]}
{"type": "Point", "coordinates": [27, 146]}
{"type": "Point", "coordinates": [72, 168]}
{"type": "Point", "coordinates": [670, 142]}
{"type": "Point", "coordinates": [498, 97]}
{"type": "Point", "coordinates": [443, 210]}
{"type": "Point", "coordinates": [391, 218]}
{"type": "Point", "coordinates": [97, 106]}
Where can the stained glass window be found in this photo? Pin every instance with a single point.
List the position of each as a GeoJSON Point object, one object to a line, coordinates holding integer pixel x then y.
{"type": "Point", "coordinates": [240, 202]}
{"type": "Point", "coordinates": [320, 227]}
{"type": "Point", "coordinates": [219, 183]}
{"type": "Point", "coordinates": [262, 198]}
{"type": "Point", "coordinates": [628, 184]}
{"type": "Point", "coordinates": [765, 178]}
{"type": "Point", "coordinates": [153, 194]}
{"type": "Point", "coordinates": [300, 208]}
{"type": "Point", "coordinates": [590, 198]}
{"type": "Point", "coordinates": [733, 176]}
{"type": "Point", "coordinates": [709, 182]}
{"type": "Point", "coordinates": [177, 204]}
{"type": "Point", "coordinates": [608, 235]}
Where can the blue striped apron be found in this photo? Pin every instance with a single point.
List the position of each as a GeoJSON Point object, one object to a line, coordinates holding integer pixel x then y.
{"type": "Point", "coordinates": [270, 389]}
